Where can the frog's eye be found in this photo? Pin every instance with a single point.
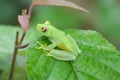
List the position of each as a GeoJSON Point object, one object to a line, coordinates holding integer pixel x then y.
{"type": "Point", "coordinates": [44, 29]}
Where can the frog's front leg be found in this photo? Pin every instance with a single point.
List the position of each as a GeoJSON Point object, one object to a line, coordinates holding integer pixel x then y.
{"type": "Point", "coordinates": [62, 55]}
{"type": "Point", "coordinates": [46, 48]}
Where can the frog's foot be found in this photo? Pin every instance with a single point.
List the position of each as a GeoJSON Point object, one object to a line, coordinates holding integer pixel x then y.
{"type": "Point", "coordinates": [38, 48]}
{"type": "Point", "coordinates": [38, 43]}
{"type": "Point", "coordinates": [46, 53]}
{"type": "Point", "coordinates": [41, 46]}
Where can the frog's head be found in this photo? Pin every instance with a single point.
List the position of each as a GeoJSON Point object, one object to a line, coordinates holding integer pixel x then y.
{"type": "Point", "coordinates": [45, 29]}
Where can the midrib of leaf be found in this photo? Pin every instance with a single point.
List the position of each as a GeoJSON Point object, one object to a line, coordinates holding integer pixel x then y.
{"type": "Point", "coordinates": [77, 76]}
{"type": "Point", "coordinates": [68, 76]}
{"type": "Point", "coordinates": [51, 71]}
{"type": "Point", "coordinates": [74, 70]}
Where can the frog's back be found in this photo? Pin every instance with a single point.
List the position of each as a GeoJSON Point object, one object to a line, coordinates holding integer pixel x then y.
{"type": "Point", "coordinates": [66, 42]}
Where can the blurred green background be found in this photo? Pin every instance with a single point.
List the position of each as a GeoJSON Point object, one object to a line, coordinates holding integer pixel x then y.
{"type": "Point", "coordinates": [104, 17]}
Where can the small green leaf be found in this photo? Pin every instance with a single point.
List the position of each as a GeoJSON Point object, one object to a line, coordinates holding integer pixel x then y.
{"type": "Point", "coordinates": [99, 60]}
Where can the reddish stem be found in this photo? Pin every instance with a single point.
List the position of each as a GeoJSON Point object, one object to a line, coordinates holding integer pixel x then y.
{"type": "Point", "coordinates": [14, 57]}
{"type": "Point", "coordinates": [23, 46]}
{"type": "Point", "coordinates": [23, 35]}
{"type": "Point", "coordinates": [30, 10]}
{"type": "Point", "coordinates": [16, 47]}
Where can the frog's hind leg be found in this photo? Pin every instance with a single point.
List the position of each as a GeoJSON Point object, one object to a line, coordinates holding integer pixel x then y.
{"type": "Point", "coordinates": [62, 55]}
{"type": "Point", "coordinates": [72, 39]}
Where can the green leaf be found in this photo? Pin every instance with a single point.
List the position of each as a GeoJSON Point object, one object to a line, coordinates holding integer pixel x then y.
{"type": "Point", "coordinates": [99, 60]}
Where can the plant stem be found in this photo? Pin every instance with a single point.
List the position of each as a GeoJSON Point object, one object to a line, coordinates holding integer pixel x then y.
{"type": "Point", "coordinates": [16, 47]}
{"type": "Point", "coordinates": [23, 35]}
{"type": "Point", "coordinates": [30, 9]}
{"type": "Point", "coordinates": [14, 57]}
{"type": "Point", "coordinates": [23, 46]}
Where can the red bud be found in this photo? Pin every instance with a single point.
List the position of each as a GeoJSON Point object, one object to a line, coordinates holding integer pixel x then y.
{"type": "Point", "coordinates": [24, 22]}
